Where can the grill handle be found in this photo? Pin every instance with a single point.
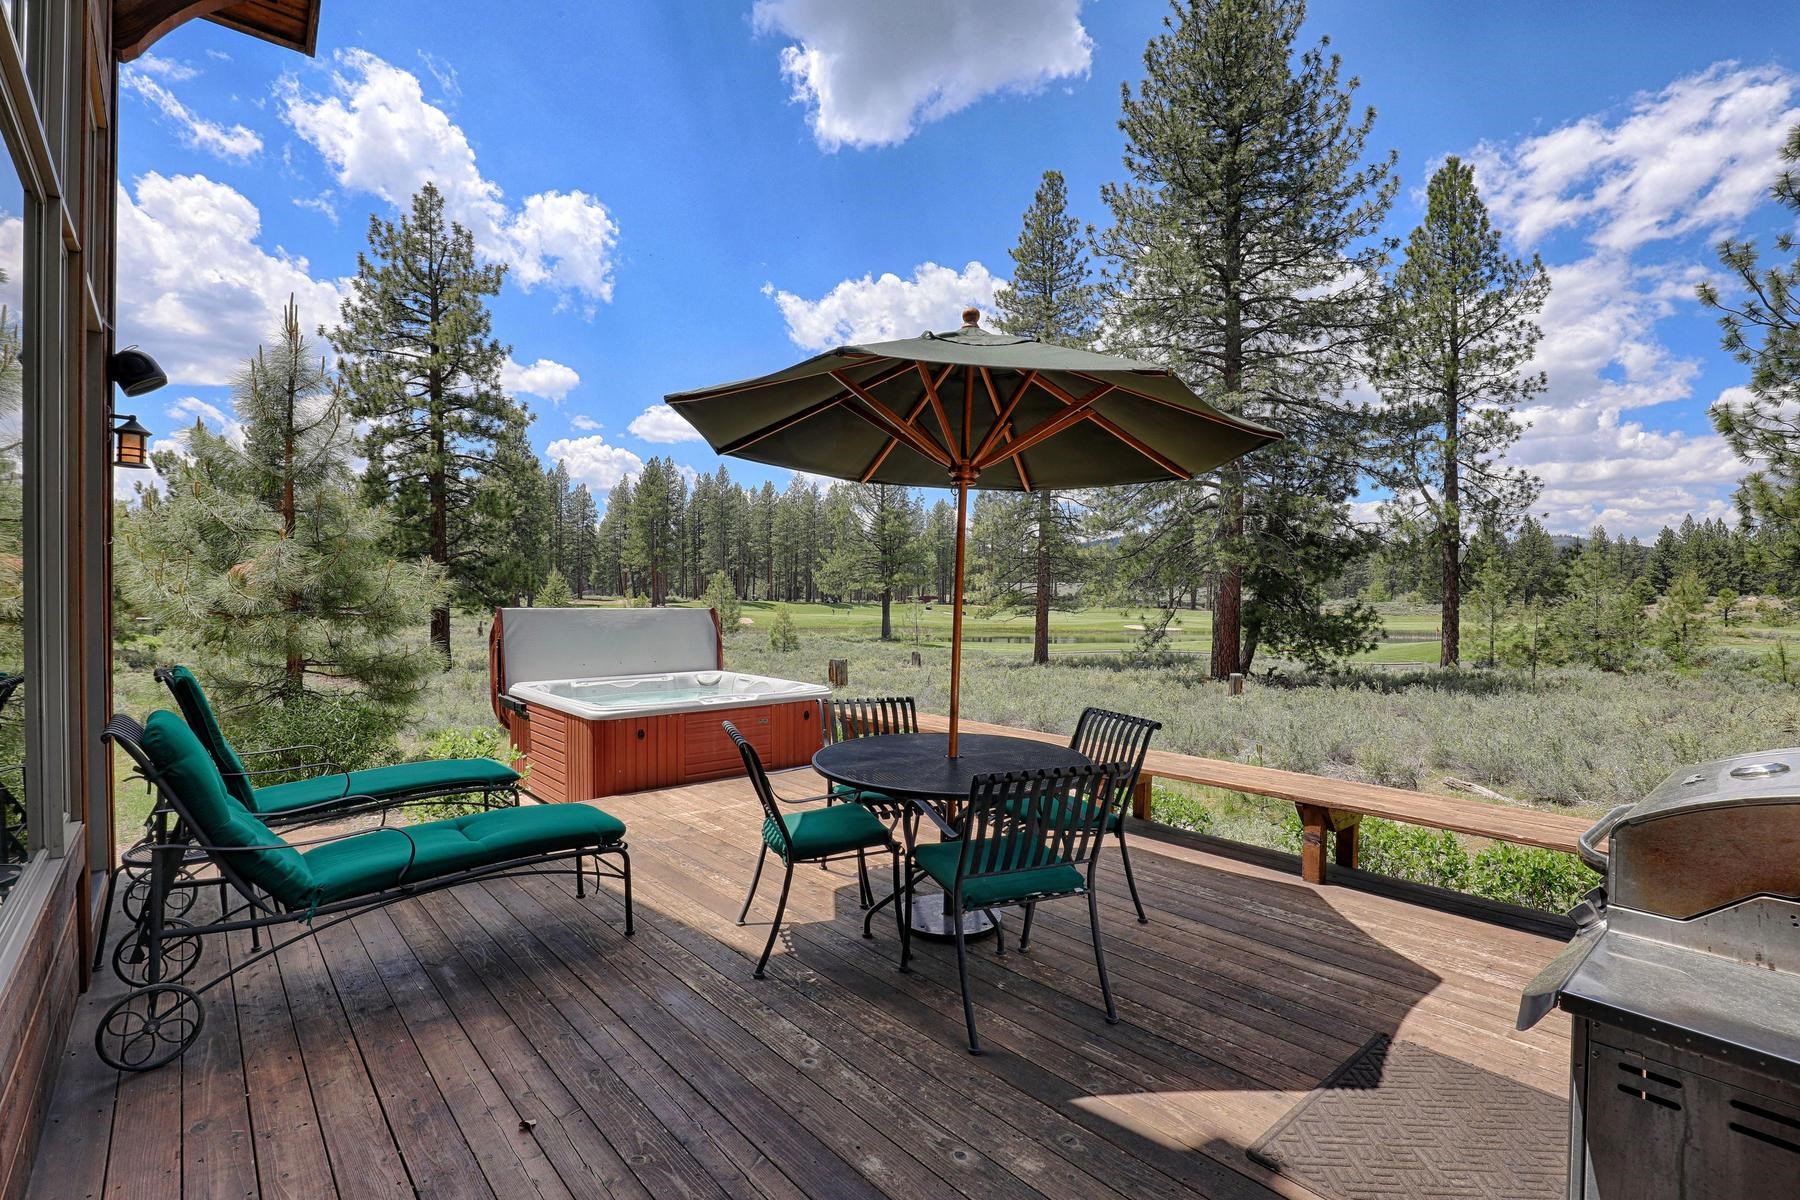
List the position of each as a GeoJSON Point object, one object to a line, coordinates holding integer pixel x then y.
{"type": "Point", "coordinates": [1588, 844]}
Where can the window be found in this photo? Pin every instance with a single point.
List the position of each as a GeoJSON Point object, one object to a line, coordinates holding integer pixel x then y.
{"type": "Point", "coordinates": [16, 842]}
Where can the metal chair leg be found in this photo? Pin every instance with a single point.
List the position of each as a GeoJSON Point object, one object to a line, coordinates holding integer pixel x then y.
{"type": "Point", "coordinates": [899, 920]}
{"type": "Point", "coordinates": [1025, 927]}
{"type": "Point", "coordinates": [625, 860]}
{"type": "Point", "coordinates": [1130, 879]}
{"type": "Point", "coordinates": [581, 877]}
{"type": "Point", "coordinates": [755, 879]}
{"type": "Point", "coordinates": [787, 881]}
{"type": "Point", "coordinates": [1112, 1010]}
{"type": "Point", "coordinates": [962, 975]}
{"type": "Point", "coordinates": [999, 933]}
{"type": "Point", "coordinates": [112, 880]}
{"type": "Point", "coordinates": [904, 909]}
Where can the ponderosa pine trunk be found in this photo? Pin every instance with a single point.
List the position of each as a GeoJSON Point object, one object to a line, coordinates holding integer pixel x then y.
{"type": "Point", "coordinates": [1450, 534]}
{"type": "Point", "coordinates": [887, 622]}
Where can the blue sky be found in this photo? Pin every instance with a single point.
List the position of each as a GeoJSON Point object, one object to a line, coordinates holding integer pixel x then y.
{"type": "Point", "coordinates": [696, 192]}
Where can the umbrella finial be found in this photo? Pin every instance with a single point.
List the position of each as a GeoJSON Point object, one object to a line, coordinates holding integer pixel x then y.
{"type": "Point", "coordinates": [971, 318]}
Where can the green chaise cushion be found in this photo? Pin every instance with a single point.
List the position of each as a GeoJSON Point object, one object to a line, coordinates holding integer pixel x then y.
{"type": "Point", "coordinates": [189, 771]}
{"type": "Point", "coordinates": [190, 697]}
{"type": "Point", "coordinates": [444, 775]}
{"type": "Point", "coordinates": [940, 860]}
{"type": "Point", "coordinates": [821, 832]}
{"type": "Point", "coordinates": [374, 861]}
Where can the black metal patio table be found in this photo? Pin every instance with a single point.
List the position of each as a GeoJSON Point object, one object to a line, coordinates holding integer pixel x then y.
{"type": "Point", "coordinates": [916, 767]}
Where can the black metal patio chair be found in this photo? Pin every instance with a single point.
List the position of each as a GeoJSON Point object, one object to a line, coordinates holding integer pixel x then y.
{"type": "Point", "coordinates": [265, 880]}
{"type": "Point", "coordinates": [871, 716]}
{"type": "Point", "coordinates": [1119, 741]}
{"type": "Point", "coordinates": [824, 834]}
{"type": "Point", "coordinates": [1023, 838]}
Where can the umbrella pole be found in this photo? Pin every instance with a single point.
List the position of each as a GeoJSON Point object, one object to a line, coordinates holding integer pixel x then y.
{"type": "Point", "coordinates": [963, 479]}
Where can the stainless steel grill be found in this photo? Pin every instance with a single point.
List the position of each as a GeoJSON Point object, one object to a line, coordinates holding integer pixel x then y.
{"type": "Point", "coordinates": [1684, 986]}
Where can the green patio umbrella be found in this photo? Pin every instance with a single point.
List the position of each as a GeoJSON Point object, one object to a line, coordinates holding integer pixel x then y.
{"type": "Point", "coordinates": [968, 409]}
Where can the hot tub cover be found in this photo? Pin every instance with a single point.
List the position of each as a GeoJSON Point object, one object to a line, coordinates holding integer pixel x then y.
{"type": "Point", "coordinates": [591, 643]}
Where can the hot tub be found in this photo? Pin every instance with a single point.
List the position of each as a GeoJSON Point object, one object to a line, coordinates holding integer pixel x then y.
{"type": "Point", "coordinates": [602, 701]}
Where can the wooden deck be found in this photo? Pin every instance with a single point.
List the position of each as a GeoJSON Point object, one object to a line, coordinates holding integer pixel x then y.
{"type": "Point", "coordinates": [507, 1040]}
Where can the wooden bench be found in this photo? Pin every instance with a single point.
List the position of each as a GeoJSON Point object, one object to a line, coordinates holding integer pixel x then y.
{"type": "Point", "coordinates": [1328, 805]}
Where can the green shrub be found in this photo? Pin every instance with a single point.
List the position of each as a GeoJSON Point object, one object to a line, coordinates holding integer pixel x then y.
{"type": "Point", "coordinates": [723, 598]}
{"type": "Point", "coordinates": [351, 733]}
{"type": "Point", "coordinates": [783, 637]}
{"type": "Point", "coordinates": [1543, 879]}
{"type": "Point", "coordinates": [554, 591]}
{"type": "Point", "coordinates": [1180, 809]}
{"type": "Point", "coordinates": [467, 743]}
{"type": "Point", "coordinates": [1430, 856]}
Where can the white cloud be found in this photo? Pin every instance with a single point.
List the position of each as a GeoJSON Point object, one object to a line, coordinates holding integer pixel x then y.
{"type": "Point", "coordinates": [544, 378]}
{"type": "Point", "coordinates": [379, 134]}
{"type": "Point", "coordinates": [1647, 191]}
{"type": "Point", "coordinates": [196, 289]}
{"type": "Point", "coordinates": [235, 142]}
{"type": "Point", "coordinates": [583, 421]}
{"type": "Point", "coordinates": [1694, 157]}
{"type": "Point", "coordinates": [660, 423]}
{"type": "Point", "coordinates": [191, 408]}
{"type": "Point", "coordinates": [872, 72]}
{"type": "Point", "coordinates": [591, 461]}
{"type": "Point", "coordinates": [323, 204]}
{"type": "Point", "coordinates": [874, 309]}
{"type": "Point", "coordinates": [163, 68]}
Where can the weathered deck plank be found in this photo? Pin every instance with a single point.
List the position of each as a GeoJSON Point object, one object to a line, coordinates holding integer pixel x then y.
{"type": "Point", "coordinates": [402, 1052]}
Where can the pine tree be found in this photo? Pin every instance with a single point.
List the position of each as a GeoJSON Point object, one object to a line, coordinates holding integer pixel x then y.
{"type": "Point", "coordinates": [1489, 601]}
{"type": "Point", "coordinates": [1762, 330]}
{"type": "Point", "coordinates": [650, 529]}
{"type": "Point", "coordinates": [722, 598]}
{"type": "Point", "coordinates": [1681, 617]}
{"type": "Point", "coordinates": [1053, 298]}
{"type": "Point", "coordinates": [783, 638]}
{"type": "Point", "coordinates": [879, 546]}
{"type": "Point", "coordinates": [1244, 253]}
{"type": "Point", "coordinates": [423, 373]}
{"type": "Point", "coordinates": [554, 591]}
{"type": "Point", "coordinates": [610, 568]}
{"type": "Point", "coordinates": [584, 543]}
{"type": "Point", "coordinates": [512, 520]}
{"type": "Point", "coordinates": [1536, 564]}
{"type": "Point", "coordinates": [1459, 326]}
{"type": "Point", "coordinates": [265, 565]}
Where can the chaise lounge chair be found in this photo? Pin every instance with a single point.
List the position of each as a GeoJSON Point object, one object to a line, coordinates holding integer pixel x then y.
{"type": "Point", "coordinates": [265, 880]}
{"type": "Point", "coordinates": [336, 792]}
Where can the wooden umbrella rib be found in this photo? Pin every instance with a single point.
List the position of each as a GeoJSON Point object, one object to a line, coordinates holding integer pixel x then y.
{"type": "Point", "coordinates": [807, 413]}
{"type": "Point", "coordinates": [1216, 418]}
{"type": "Point", "coordinates": [1077, 410]}
{"type": "Point", "coordinates": [937, 407]}
{"type": "Point", "coordinates": [1002, 416]}
{"type": "Point", "coordinates": [882, 414]}
{"type": "Point", "coordinates": [894, 440]}
{"type": "Point", "coordinates": [1168, 464]}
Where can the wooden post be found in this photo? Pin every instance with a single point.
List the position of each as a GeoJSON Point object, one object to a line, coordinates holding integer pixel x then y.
{"type": "Point", "coordinates": [1344, 843]}
{"type": "Point", "coordinates": [1140, 797]}
{"type": "Point", "coordinates": [1313, 824]}
{"type": "Point", "coordinates": [916, 660]}
{"type": "Point", "coordinates": [837, 672]}
{"type": "Point", "coordinates": [1237, 683]}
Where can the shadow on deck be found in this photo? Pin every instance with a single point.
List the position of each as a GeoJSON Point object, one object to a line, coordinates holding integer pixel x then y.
{"type": "Point", "coordinates": [507, 1040]}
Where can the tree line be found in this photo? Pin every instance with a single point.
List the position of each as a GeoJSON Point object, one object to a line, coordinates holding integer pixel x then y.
{"type": "Point", "coordinates": [1246, 250]}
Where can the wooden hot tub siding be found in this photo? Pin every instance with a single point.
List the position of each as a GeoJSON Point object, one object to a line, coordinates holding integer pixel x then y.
{"type": "Point", "coordinates": [573, 758]}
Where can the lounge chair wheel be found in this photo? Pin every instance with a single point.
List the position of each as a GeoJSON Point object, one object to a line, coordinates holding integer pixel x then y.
{"type": "Point", "coordinates": [180, 954]}
{"type": "Point", "coordinates": [176, 904]}
{"type": "Point", "coordinates": [149, 1027]}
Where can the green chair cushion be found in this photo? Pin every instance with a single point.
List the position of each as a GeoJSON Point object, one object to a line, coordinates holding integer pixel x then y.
{"type": "Point", "coordinates": [190, 772]}
{"type": "Point", "coordinates": [863, 796]}
{"type": "Point", "coordinates": [822, 832]}
{"type": "Point", "coordinates": [940, 860]}
{"type": "Point", "coordinates": [444, 775]}
{"type": "Point", "coordinates": [1079, 813]}
{"type": "Point", "coordinates": [190, 697]}
{"type": "Point", "coordinates": [375, 861]}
